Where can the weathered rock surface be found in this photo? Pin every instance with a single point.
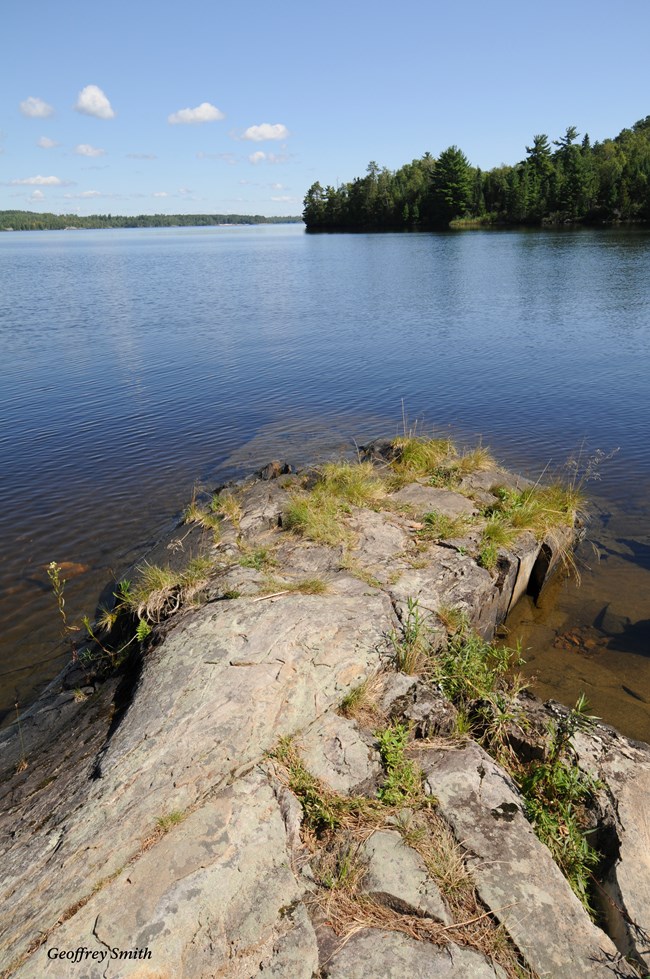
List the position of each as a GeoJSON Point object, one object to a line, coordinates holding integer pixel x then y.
{"type": "Point", "coordinates": [425, 499]}
{"type": "Point", "coordinates": [397, 876]}
{"type": "Point", "coordinates": [514, 873]}
{"type": "Point", "coordinates": [221, 690]}
{"type": "Point", "coordinates": [623, 766]}
{"type": "Point", "coordinates": [334, 752]}
{"type": "Point", "coordinates": [376, 954]}
{"type": "Point", "coordinates": [214, 897]}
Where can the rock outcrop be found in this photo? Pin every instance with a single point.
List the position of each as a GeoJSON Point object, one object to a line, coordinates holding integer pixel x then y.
{"type": "Point", "coordinates": [158, 831]}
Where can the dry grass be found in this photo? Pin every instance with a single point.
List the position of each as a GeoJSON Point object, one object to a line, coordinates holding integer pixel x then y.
{"type": "Point", "coordinates": [227, 505]}
{"type": "Point", "coordinates": [306, 586]}
{"type": "Point", "coordinates": [361, 703]}
{"type": "Point", "coordinates": [195, 513]}
{"type": "Point", "coordinates": [159, 592]}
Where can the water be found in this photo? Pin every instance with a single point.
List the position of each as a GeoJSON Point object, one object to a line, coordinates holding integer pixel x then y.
{"type": "Point", "coordinates": [137, 362]}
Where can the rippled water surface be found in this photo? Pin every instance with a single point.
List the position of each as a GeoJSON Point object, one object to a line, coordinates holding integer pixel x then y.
{"type": "Point", "coordinates": [135, 363]}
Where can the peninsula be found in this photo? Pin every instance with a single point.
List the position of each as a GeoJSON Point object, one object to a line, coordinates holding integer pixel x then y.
{"type": "Point", "coordinates": [312, 761]}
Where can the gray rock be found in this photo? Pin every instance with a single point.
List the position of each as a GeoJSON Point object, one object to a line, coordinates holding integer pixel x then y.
{"type": "Point", "coordinates": [623, 766]}
{"type": "Point", "coordinates": [226, 684]}
{"type": "Point", "coordinates": [215, 896]}
{"type": "Point", "coordinates": [376, 954]}
{"type": "Point", "coordinates": [334, 752]}
{"type": "Point", "coordinates": [378, 539]}
{"type": "Point", "coordinates": [425, 708]}
{"type": "Point", "coordinates": [397, 876]}
{"type": "Point", "coordinates": [262, 506]}
{"type": "Point", "coordinates": [528, 894]}
{"type": "Point", "coordinates": [450, 580]}
{"type": "Point", "coordinates": [424, 499]}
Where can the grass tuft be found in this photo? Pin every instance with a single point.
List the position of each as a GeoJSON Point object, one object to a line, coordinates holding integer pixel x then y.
{"type": "Point", "coordinates": [160, 591]}
{"type": "Point", "coordinates": [317, 516]}
{"type": "Point", "coordinates": [417, 457]}
{"type": "Point", "coordinates": [438, 526]}
{"type": "Point", "coordinates": [412, 648]}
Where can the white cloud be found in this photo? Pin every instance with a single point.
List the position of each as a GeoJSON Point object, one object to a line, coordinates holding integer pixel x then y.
{"type": "Point", "coordinates": [260, 157]}
{"type": "Point", "coordinates": [266, 131]}
{"type": "Point", "coordinates": [278, 187]}
{"type": "Point", "coordinates": [85, 149]}
{"type": "Point", "coordinates": [206, 112]}
{"type": "Point", "coordinates": [160, 193]}
{"type": "Point", "coordinates": [36, 108]}
{"type": "Point", "coordinates": [285, 199]}
{"type": "Point", "coordinates": [93, 102]}
{"type": "Point", "coordinates": [37, 195]}
{"type": "Point", "coordinates": [39, 181]}
{"type": "Point", "coordinates": [91, 193]}
{"type": "Point", "coordinates": [46, 143]}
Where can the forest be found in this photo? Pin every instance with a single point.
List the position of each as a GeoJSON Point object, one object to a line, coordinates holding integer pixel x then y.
{"type": "Point", "coordinates": [33, 221]}
{"type": "Point", "coordinates": [565, 181]}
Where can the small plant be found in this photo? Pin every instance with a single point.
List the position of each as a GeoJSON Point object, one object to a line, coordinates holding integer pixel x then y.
{"type": "Point", "coordinates": [195, 513]}
{"type": "Point", "coordinates": [412, 648]}
{"type": "Point", "coordinates": [318, 517]}
{"type": "Point", "coordinates": [258, 558]}
{"type": "Point", "coordinates": [556, 792]}
{"type": "Point", "coordinates": [58, 585]}
{"type": "Point", "coordinates": [454, 619]}
{"type": "Point", "coordinates": [22, 762]}
{"type": "Point", "coordinates": [416, 457]}
{"type": "Point", "coordinates": [227, 505]}
{"type": "Point", "coordinates": [438, 526]}
{"type": "Point", "coordinates": [165, 823]}
{"type": "Point", "coordinates": [307, 586]}
{"type": "Point", "coordinates": [357, 484]}
{"type": "Point", "coordinates": [403, 781]}
{"type": "Point", "coordinates": [323, 809]}
{"type": "Point", "coordinates": [159, 592]}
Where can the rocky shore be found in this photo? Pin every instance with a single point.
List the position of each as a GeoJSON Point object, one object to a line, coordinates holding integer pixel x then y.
{"type": "Point", "coordinates": [294, 774]}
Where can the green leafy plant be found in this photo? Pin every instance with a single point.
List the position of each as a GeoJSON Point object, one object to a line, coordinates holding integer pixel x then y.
{"type": "Point", "coordinates": [403, 780]}
{"type": "Point", "coordinates": [556, 792]}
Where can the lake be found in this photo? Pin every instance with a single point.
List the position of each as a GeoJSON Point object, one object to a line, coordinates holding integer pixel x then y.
{"type": "Point", "coordinates": [138, 363]}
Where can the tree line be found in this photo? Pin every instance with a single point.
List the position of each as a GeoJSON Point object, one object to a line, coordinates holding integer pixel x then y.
{"type": "Point", "coordinates": [568, 180]}
{"type": "Point", "coordinates": [33, 221]}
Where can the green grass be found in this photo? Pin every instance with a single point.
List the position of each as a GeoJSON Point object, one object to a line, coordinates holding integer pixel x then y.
{"type": "Point", "coordinates": [306, 586]}
{"type": "Point", "coordinates": [226, 505]}
{"type": "Point", "coordinates": [539, 509]}
{"type": "Point", "coordinates": [317, 516]}
{"type": "Point", "coordinates": [403, 780]}
{"type": "Point", "coordinates": [195, 513]}
{"type": "Point", "coordinates": [259, 558]}
{"type": "Point", "coordinates": [323, 809]}
{"type": "Point", "coordinates": [417, 457]}
{"type": "Point", "coordinates": [165, 823]}
{"type": "Point", "coordinates": [411, 646]}
{"type": "Point", "coordinates": [556, 794]}
{"type": "Point", "coordinates": [438, 526]}
{"type": "Point", "coordinates": [357, 484]}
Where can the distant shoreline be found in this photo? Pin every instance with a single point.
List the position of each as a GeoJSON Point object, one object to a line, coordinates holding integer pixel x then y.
{"type": "Point", "coordinates": [35, 221]}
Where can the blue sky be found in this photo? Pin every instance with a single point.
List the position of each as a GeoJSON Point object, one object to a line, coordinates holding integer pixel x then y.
{"type": "Point", "coordinates": [278, 95]}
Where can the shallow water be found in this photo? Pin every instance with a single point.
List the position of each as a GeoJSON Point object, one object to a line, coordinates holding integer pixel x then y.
{"type": "Point", "coordinates": [135, 363]}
